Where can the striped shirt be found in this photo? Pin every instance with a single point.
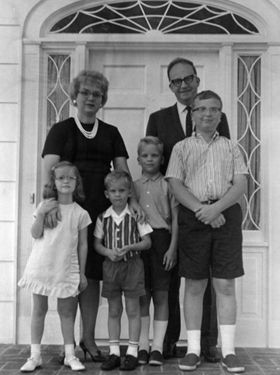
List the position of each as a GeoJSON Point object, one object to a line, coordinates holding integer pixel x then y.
{"type": "Point", "coordinates": [120, 230]}
{"type": "Point", "coordinates": [206, 169]}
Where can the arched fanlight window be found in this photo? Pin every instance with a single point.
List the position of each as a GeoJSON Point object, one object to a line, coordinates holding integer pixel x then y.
{"type": "Point", "coordinates": [140, 17]}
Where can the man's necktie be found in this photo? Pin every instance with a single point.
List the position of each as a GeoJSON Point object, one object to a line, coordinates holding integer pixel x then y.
{"type": "Point", "coordinates": [188, 121]}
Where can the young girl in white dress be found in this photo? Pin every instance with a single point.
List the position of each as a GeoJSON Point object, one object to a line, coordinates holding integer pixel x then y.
{"type": "Point", "coordinates": [56, 266]}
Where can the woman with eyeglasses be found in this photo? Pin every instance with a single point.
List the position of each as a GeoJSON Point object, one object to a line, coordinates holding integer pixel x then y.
{"type": "Point", "coordinates": [92, 145]}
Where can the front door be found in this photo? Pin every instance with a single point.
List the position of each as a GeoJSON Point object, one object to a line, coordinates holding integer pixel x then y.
{"type": "Point", "coordinates": [138, 86]}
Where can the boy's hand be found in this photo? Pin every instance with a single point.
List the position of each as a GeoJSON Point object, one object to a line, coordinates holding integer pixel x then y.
{"type": "Point", "coordinates": [114, 256]}
{"type": "Point", "coordinates": [218, 222]}
{"type": "Point", "coordinates": [170, 259]}
{"type": "Point", "coordinates": [207, 213]}
{"type": "Point", "coordinates": [83, 282]}
{"type": "Point", "coordinates": [121, 252]}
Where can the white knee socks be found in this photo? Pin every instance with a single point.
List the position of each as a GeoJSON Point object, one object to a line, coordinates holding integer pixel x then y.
{"type": "Point", "coordinates": [228, 338]}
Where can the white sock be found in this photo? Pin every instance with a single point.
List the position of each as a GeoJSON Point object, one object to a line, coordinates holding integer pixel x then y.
{"type": "Point", "coordinates": [159, 327]}
{"type": "Point", "coordinates": [194, 341]}
{"type": "Point", "coordinates": [115, 347]}
{"type": "Point", "coordinates": [144, 334]}
{"type": "Point", "coordinates": [35, 350]}
{"type": "Point", "coordinates": [69, 350]}
{"type": "Point", "coordinates": [132, 348]}
{"type": "Point", "coordinates": [227, 338]}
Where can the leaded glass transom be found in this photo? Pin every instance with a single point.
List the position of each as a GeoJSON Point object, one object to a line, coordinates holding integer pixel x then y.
{"type": "Point", "coordinates": [140, 17]}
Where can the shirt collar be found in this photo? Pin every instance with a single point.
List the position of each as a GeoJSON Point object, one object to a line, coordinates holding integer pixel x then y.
{"type": "Point", "coordinates": [110, 212]}
{"type": "Point", "coordinates": [181, 107]}
{"type": "Point", "coordinates": [198, 135]}
{"type": "Point", "coordinates": [145, 179]}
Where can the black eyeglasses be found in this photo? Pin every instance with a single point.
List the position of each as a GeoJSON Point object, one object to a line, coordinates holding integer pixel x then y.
{"type": "Point", "coordinates": [202, 111]}
{"type": "Point", "coordinates": [87, 94]}
{"type": "Point", "coordinates": [178, 81]}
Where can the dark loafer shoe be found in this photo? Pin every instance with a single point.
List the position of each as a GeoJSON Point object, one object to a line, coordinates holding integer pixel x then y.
{"type": "Point", "coordinates": [156, 358]}
{"type": "Point", "coordinates": [169, 351]}
{"type": "Point", "coordinates": [112, 362]}
{"type": "Point", "coordinates": [189, 362]}
{"type": "Point", "coordinates": [129, 364]}
{"type": "Point", "coordinates": [211, 354]}
{"type": "Point", "coordinates": [232, 364]}
{"type": "Point", "coordinates": [143, 357]}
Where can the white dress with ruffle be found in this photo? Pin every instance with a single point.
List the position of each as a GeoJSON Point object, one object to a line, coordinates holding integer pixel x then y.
{"type": "Point", "coordinates": [53, 267]}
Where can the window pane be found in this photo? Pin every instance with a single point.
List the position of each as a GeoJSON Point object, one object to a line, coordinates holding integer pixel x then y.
{"type": "Point", "coordinates": [249, 112]}
{"type": "Point", "coordinates": [57, 89]}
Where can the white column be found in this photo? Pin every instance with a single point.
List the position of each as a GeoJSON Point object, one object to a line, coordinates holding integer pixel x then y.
{"type": "Point", "coordinates": [272, 131]}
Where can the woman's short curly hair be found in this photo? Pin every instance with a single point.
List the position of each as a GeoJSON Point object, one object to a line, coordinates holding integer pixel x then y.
{"type": "Point", "coordinates": [50, 189]}
{"type": "Point", "coordinates": [90, 76]}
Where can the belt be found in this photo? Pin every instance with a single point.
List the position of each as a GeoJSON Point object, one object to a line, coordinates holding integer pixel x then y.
{"type": "Point", "coordinates": [210, 201]}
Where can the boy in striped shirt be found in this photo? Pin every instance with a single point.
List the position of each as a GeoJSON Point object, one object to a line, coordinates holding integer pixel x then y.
{"type": "Point", "coordinates": [207, 176]}
{"type": "Point", "coordinates": [120, 238]}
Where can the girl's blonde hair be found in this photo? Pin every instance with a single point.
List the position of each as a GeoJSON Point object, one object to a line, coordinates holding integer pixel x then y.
{"type": "Point", "coordinates": [50, 189]}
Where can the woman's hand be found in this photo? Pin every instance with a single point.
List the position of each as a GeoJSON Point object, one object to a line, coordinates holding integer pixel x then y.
{"type": "Point", "coordinates": [52, 217]}
{"type": "Point", "coordinates": [137, 211]}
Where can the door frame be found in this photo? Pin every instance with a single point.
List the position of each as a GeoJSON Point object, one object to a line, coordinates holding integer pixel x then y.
{"type": "Point", "coordinates": [34, 51]}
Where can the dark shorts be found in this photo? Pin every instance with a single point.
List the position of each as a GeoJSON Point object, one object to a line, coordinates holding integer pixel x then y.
{"type": "Point", "coordinates": [156, 277]}
{"type": "Point", "coordinates": [125, 277]}
{"type": "Point", "coordinates": [202, 247]}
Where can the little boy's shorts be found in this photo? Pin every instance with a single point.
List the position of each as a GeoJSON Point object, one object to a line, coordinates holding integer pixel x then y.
{"type": "Point", "coordinates": [156, 277]}
{"type": "Point", "coordinates": [125, 277]}
{"type": "Point", "coordinates": [202, 247]}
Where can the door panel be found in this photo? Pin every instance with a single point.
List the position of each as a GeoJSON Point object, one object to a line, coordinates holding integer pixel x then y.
{"type": "Point", "coordinates": [138, 86]}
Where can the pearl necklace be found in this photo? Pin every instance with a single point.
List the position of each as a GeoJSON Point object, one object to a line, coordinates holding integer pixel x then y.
{"type": "Point", "coordinates": [87, 134]}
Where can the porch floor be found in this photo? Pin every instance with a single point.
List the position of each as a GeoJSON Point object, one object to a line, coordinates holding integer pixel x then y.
{"type": "Point", "coordinates": [257, 362]}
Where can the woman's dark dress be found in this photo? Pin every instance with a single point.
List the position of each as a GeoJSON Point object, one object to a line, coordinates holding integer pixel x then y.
{"type": "Point", "coordinates": [93, 158]}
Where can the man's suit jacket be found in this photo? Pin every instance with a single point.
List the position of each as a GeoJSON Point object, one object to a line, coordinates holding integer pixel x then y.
{"type": "Point", "coordinates": [165, 124]}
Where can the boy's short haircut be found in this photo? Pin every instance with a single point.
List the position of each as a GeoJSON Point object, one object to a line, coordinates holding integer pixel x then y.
{"type": "Point", "coordinates": [150, 140]}
{"type": "Point", "coordinates": [207, 94]}
{"type": "Point", "coordinates": [117, 175]}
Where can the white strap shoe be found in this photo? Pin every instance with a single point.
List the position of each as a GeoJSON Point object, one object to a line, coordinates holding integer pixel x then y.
{"type": "Point", "coordinates": [31, 364]}
{"type": "Point", "coordinates": [74, 363]}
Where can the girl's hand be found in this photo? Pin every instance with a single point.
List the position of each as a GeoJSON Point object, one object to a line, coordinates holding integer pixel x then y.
{"type": "Point", "coordinates": [137, 211]}
{"type": "Point", "coordinates": [83, 282]}
{"type": "Point", "coordinates": [170, 259]}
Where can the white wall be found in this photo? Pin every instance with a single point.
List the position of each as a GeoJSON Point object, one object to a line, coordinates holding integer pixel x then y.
{"type": "Point", "coordinates": [10, 47]}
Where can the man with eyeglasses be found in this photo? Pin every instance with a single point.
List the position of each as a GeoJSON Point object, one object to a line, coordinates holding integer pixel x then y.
{"type": "Point", "coordinates": [171, 125]}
